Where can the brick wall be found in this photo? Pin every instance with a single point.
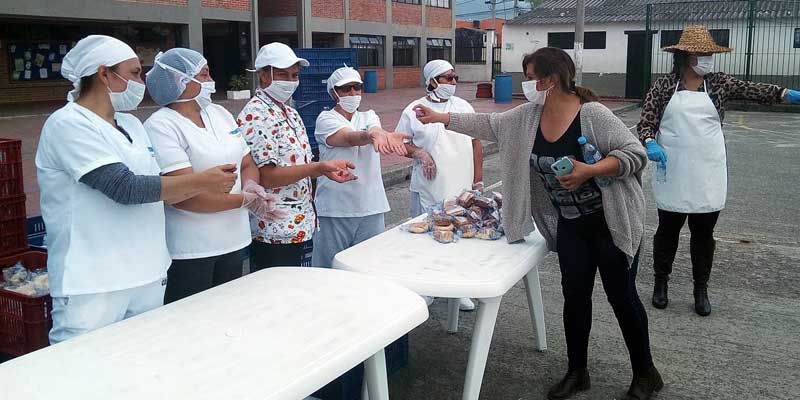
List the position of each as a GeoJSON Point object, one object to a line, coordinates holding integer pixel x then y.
{"type": "Point", "coordinates": [406, 14]}
{"type": "Point", "coordinates": [381, 76]}
{"type": "Point", "coordinates": [368, 10]}
{"type": "Point", "coordinates": [439, 17]}
{"type": "Point", "coordinates": [277, 8]}
{"type": "Point", "coordinates": [327, 8]}
{"type": "Point", "coordinates": [240, 5]}
{"type": "Point", "coordinates": [407, 77]}
{"type": "Point", "coordinates": [161, 2]}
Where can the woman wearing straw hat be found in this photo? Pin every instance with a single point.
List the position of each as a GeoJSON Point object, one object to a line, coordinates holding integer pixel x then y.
{"type": "Point", "coordinates": [681, 126]}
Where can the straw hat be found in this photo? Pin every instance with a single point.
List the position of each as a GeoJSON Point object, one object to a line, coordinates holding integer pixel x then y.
{"type": "Point", "coordinates": [697, 39]}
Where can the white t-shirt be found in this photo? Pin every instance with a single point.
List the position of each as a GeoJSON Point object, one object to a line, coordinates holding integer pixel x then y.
{"type": "Point", "coordinates": [94, 244]}
{"type": "Point", "coordinates": [363, 196]}
{"type": "Point", "coordinates": [179, 143]}
{"type": "Point", "coordinates": [424, 136]}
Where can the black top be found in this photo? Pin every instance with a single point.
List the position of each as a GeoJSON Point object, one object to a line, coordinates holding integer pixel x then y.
{"type": "Point", "coordinates": [571, 204]}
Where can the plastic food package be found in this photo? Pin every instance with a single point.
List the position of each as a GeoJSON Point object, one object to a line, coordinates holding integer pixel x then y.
{"type": "Point", "coordinates": [440, 218]}
{"type": "Point", "coordinates": [461, 222]}
{"type": "Point", "coordinates": [417, 227]}
{"type": "Point", "coordinates": [444, 236]}
{"type": "Point", "coordinates": [15, 275]}
{"type": "Point", "coordinates": [25, 289]}
{"type": "Point", "coordinates": [488, 234]}
{"type": "Point", "coordinates": [484, 202]}
{"type": "Point", "coordinates": [455, 211]}
{"type": "Point", "coordinates": [468, 231]}
{"type": "Point", "coordinates": [498, 199]}
{"type": "Point", "coordinates": [466, 199]}
{"type": "Point", "coordinates": [449, 203]}
{"type": "Point", "coordinates": [444, 228]}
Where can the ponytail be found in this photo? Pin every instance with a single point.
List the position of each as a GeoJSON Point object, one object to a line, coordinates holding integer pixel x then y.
{"type": "Point", "coordinates": [586, 94]}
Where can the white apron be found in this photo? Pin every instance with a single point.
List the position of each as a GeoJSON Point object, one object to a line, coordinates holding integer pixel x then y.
{"type": "Point", "coordinates": [452, 153]}
{"type": "Point", "coordinates": [697, 171]}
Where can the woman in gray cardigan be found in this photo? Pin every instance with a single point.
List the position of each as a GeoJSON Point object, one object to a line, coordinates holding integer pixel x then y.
{"type": "Point", "coordinates": [593, 224]}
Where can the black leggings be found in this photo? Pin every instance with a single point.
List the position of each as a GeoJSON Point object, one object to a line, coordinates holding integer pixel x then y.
{"type": "Point", "coordinates": [584, 246]}
{"type": "Point", "coordinates": [192, 276]}
{"type": "Point", "coordinates": [701, 244]}
{"type": "Point", "coordinates": [266, 255]}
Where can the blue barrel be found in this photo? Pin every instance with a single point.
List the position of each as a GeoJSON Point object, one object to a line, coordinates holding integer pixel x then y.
{"type": "Point", "coordinates": [502, 88]}
{"type": "Point", "coordinates": [371, 82]}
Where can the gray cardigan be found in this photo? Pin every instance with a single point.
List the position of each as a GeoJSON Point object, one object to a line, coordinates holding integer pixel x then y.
{"type": "Point", "coordinates": [524, 194]}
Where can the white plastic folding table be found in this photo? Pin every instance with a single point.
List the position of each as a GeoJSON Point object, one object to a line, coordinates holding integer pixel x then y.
{"type": "Point", "coordinates": [277, 334]}
{"type": "Point", "coordinates": [473, 268]}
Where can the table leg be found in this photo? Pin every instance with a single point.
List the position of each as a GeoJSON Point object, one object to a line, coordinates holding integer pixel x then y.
{"type": "Point", "coordinates": [452, 315]}
{"type": "Point", "coordinates": [375, 377]}
{"type": "Point", "coordinates": [534, 291]}
{"type": "Point", "coordinates": [479, 349]}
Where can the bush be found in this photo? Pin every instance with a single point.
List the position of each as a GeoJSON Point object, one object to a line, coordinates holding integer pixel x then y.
{"type": "Point", "coordinates": [239, 82]}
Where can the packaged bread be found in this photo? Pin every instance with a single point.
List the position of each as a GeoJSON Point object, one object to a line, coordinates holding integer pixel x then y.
{"type": "Point", "coordinates": [484, 202]}
{"type": "Point", "coordinates": [468, 231]}
{"type": "Point", "coordinates": [488, 234]}
{"type": "Point", "coordinates": [455, 211]}
{"type": "Point", "coordinates": [460, 222]}
{"type": "Point", "coordinates": [466, 199]}
{"type": "Point", "coordinates": [418, 227]}
{"type": "Point", "coordinates": [449, 203]}
{"type": "Point", "coordinates": [444, 236]}
{"type": "Point", "coordinates": [440, 218]}
{"type": "Point", "coordinates": [475, 213]}
{"type": "Point", "coordinates": [444, 228]}
{"type": "Point", "coordinates": [498, 199]}
{"type": "Point", "coordinates": [490, 222]}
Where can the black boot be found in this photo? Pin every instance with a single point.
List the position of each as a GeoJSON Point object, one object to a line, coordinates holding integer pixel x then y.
{"type": "Point", "coordinates": [701, 304]}
{"type": "Point", "coordinates": [660, 296]}
{"type": "Point", "coordinates": [644, 384]}
{"type": "Point", "coordinates": [574, 382]}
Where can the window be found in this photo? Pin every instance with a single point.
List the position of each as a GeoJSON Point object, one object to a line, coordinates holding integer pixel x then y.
{"type": "Point", "coordinates": [672, 37]}
{"type": "Point", "coordinates": [370, 50]}
{"type": "Point", "coordinates": [566, 40]}
{"type": "Point", "coordinates": [405, 51]}
{"type": "Point", "coordinates": [440, 3]}
{"type": "Point", "coordinates": [407, 1]}
{"type": "Point", "coordinates": [440, 49]}
{"type": "Point", "coordinates": [797, 38]}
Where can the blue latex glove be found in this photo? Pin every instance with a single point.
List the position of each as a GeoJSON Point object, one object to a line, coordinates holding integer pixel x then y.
{"type": "Point", "coordinates": [655, 152]}
{"type": "Point", "coordinates": [792, 97]}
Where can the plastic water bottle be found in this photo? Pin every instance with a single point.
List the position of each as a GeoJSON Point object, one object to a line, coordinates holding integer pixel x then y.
{"type": "Point", "coordinates": [661, 172]}
{"type": "Point", "coordinates": [592, 156]}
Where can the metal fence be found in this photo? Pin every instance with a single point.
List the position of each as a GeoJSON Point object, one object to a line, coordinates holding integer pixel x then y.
{"type": "Point", "coordinates": [764, 34]}
{"type": "Point", "coordinates": [471, 54]}
{"type": "Point", "coordinates": [497, 62]}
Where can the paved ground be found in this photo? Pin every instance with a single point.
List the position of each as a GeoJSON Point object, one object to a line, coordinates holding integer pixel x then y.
{"type": "Point", "coordinates": [24, 121]}
{"type": "Point", "coordinates": [747, 349]}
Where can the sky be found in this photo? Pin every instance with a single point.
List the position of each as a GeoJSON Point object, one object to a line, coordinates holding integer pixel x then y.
{"type": "Point", "coordinates": [479, 9]}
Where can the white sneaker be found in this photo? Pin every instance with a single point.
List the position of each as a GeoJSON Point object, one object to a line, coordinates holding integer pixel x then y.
{"type": "Point", "coordinates": [428, 300]}
{"type": "Point", "coordinates": [466, 304]}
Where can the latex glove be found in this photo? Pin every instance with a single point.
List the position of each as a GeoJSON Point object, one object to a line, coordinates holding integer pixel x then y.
{"type": "Point", "coordinates": [478, 186]}
{"type": "Point", "coordinates": [655, 152]}
{"type": "Point", "coordinates": [792, 96]}
{"type": "Point", "coordinates": [428, 165]}
{"type": "Point", "coordinates": [260, 203]}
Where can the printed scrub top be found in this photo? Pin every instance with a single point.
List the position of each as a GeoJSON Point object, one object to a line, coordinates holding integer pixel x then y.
{"type": "Point", "coordinates": [280, 139]}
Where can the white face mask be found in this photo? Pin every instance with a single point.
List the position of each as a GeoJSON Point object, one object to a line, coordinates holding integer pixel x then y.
{"type": "Point", "coordinates": [203, 98]}
{"type": "Point", "coordinates": [128, 99]}
{"type": "Point", "coordinates": [534, 95]}
{"type": "Point", "coordinates": [350, 103]}
{"type": "Point", "coordinates": [444, 91]}
{"type": "Point", "coordinates": [705, 65]}
{"type": "Point", "coordinates": [281, 90]}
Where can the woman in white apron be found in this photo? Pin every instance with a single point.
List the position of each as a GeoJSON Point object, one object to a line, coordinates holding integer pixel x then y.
{"type": "Point", "coordinates": [102, 198]}
{"type": "Point", "coordinates": [206, 235]}
{"type": "Point", "coordinates": [445, 162]}
{"type": "Point", "coordinates": [681, 126]}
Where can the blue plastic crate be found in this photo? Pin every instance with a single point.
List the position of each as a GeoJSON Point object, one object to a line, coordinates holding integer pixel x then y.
{"type": "Point", "coordinates": [313, 87]}
{"type": "Point", "coordinates": [310, 110]}
{"type": "Point", "coordinates": [325, 61]}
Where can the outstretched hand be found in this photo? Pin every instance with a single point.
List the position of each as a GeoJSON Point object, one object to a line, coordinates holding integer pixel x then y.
{"type": "Point", "coordinates": [428, 116]}
{"type": "Point", "coordinates": [338, 170]}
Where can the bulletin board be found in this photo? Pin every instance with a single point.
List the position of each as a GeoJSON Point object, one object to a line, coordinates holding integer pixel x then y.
{"type": "Point", "coordinates": [36, 61]}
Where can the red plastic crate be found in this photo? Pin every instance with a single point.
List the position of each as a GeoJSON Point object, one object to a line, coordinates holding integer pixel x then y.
{"type": "Point", "coordinates": [25, 322]}
{"type": "Point", "coordinates": [13, 238]}
{"type": "Point", "coordinates": [11, 183]}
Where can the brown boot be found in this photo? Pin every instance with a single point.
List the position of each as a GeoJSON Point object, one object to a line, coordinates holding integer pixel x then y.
{"type": "Point", "coordinates": [574, 382]}
{"type": "Point", "coordinates": [644, 385]}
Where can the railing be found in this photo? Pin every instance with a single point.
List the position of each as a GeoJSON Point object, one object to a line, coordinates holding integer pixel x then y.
{"type": "Point", "coordinates": [471, 55]}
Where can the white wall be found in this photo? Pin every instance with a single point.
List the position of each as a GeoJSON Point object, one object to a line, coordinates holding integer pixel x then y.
{"type": "Point", "coordinates": [523, 39]}
{"type": "Point", "coordinates": [473, 73]}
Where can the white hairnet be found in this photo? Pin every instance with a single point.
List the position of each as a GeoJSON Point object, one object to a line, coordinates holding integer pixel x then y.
{"type": "Point", "coordinates": [171, 71]}
{"type": "Point", "coordinates": [435, 68]}
{"type": "Point", "coordinates": [89, 54]}
{"type": "Point", "coordinates": [343, 76]}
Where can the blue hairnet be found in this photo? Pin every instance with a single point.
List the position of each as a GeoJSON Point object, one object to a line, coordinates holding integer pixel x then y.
{"type": "Point", "coordinates": [172, 70]}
